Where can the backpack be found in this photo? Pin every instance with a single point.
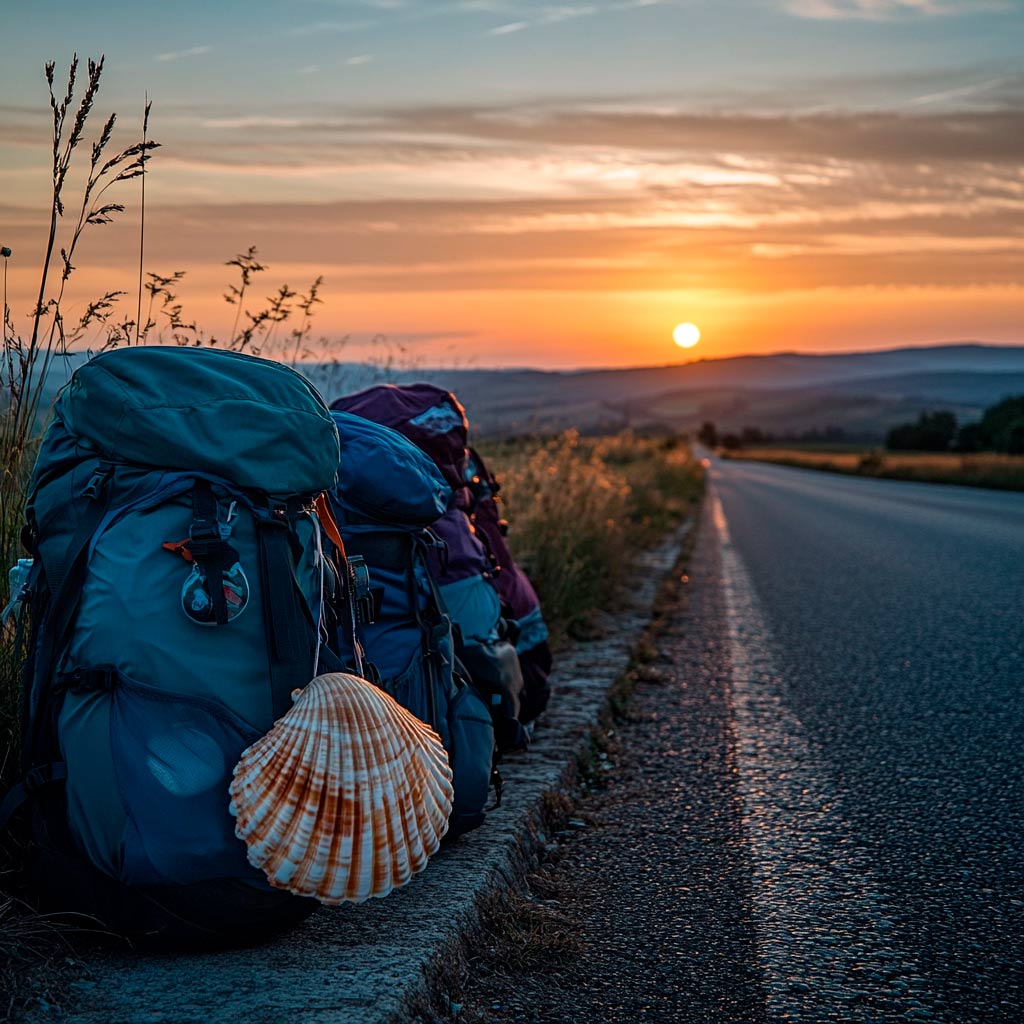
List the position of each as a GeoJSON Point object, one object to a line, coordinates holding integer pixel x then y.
{"type": "Point", "coordinates": [388, 493]}
{"type": "Point", "coordinates": [177, 596]}
{"type": "Point", "coordinates": [436, 423]}
{"type": "Point", "coordinates": [521, 606]}
{"type": "Point", "coordinates": [462, 572]}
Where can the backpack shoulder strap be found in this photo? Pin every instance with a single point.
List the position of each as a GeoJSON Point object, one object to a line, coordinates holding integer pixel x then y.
{"type": "Point", "coordinates": [63, 580]}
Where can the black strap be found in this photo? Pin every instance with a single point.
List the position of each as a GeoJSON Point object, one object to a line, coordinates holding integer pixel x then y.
{"type": "Point", "coordinates": [22, 791]}
{"type": "Point", "coordinates": [208, 548]}
{"type": "Point", "coordinates": [284, 621]}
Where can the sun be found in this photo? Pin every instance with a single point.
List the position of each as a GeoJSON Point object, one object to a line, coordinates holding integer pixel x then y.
{"type": "Point", "coordinates": [686, 335]}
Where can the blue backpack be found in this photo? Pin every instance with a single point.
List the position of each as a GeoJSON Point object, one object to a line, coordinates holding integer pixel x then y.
{"type": "Point", "coordinates": [400, 634]}
{"type": "Point", "coordinates": [434, 421]}
{"type": "Point", "coordinates": [179, 592]}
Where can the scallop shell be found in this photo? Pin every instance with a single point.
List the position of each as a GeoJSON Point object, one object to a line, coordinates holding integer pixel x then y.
{"type": "Point", "coordinates": [346, 797]}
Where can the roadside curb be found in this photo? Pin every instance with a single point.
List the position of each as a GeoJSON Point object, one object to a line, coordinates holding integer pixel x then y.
{"type": "Point", "coordinates": [387, 961]}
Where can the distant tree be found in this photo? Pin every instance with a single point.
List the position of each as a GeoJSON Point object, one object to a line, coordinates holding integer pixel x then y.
{"type": "Point", "coordinates": [752, 435]}
{"type": "Point", "coordinates": [933, 432]}
{"type": "Point", "coordinates": [1000, 425]}
{"type": "Point", "coordinates": [969, 438]}
{"type": "Point", "coordinates": [708, 434]}
{"type": "Point", "coordinates": [730, 442]}
{"type": "Point", "coordinates": [1013, 438]}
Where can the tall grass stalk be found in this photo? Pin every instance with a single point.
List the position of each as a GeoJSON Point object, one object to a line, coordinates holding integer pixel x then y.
{"type": "Point", "coordinates": [142, 212]}
{"type": "Point", "coordinates": [26, 366]}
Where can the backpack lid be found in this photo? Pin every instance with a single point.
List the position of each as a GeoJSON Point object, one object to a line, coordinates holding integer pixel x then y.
{"type": "Point", "coordinates": [248, 420]}
{"type": "Point", "coordinates": [430, 417]}
{"type": "Point", "coordinates": [384, 477]}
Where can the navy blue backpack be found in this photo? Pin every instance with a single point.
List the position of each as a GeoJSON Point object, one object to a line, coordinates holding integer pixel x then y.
{"type": "Point", "coordinates": [399, 633]}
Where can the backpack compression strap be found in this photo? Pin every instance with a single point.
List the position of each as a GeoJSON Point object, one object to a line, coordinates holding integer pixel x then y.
{"type": "Point", "coordinates": [208, 548]}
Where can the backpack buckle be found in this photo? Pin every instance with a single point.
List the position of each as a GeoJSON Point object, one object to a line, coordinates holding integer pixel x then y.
{"type": "Point", "coordinates": [360, 590]}
{"type": "Point", "coordinates": [94, 488]}
{"type": "Point", "coordinates": [85, 680]}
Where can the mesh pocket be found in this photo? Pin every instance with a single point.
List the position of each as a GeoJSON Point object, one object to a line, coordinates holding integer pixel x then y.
{"type": "Point", "coordinates": [174, 756]}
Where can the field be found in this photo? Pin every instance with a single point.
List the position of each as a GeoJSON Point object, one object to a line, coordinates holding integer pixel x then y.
{"type": "Point", "coordinates": [985, 469]}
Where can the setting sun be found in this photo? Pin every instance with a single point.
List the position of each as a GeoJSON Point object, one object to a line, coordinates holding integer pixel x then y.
{"type": "Point", "coordinates": [686, 335]}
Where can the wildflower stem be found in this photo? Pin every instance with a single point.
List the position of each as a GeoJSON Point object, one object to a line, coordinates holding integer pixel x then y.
{"type": "Point", "coordinates": [142, 215]}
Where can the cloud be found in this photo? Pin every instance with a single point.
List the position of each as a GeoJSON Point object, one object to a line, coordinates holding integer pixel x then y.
{"type": "Point", "coordinates": [195, 51]}
{"type": "Point", "coordinates": [317, 28]}
{"type": "Point", "coordinates": [962, 92]}
{"type": "Point", "coordinates": [554, 15]}
{"type": "Point", "coordinates": [359, 59]}
{"type": "Point", "coordinates": [565, 196]}
{"type": "Point", "coordinates": [883, 10]}
{"type": "Point", "coordinates": [508, 28]}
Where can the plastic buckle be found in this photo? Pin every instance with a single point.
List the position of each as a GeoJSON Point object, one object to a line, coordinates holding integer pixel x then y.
{"type": "Point", "coordinates": [94, 488]}
{"type": "Point", "coordinates": [83, 680]}
{"type": "Point", "coordinates": [361, 591]}
{"type": "Point", "coordinates": [204, 545]}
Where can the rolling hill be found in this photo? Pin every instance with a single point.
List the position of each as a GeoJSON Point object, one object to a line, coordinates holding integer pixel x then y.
{"type": "Point", "coordinates": [860, 393]}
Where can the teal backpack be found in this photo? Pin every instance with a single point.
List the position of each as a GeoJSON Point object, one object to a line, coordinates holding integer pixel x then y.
{"type": "Point", "coordinates": [179, 592]}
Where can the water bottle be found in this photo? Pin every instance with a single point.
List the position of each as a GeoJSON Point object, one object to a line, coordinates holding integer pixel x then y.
{"type": "Point", "coordinates": [17, 578]}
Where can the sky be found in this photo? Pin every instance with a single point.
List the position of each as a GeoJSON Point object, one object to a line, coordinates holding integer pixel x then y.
{"type": "Point", "coordinates": [502, 183]}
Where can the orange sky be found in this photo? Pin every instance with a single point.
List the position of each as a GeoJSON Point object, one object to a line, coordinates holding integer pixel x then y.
{"type": "Point", "coordinates": [542, 220]}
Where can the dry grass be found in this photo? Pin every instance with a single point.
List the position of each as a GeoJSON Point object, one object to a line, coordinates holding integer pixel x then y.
{"type": "Point", "coordinates": [986, 469]}
{"type": "Point", "coordinates": [581, 508]}
{"type": "Point", "coordinates": [37, 961]}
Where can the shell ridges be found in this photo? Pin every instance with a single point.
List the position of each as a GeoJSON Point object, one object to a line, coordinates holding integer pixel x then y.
{"type": "Point", "coordinates": [346, 797]}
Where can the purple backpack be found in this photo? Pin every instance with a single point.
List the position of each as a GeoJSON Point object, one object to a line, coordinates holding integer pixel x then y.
{"type": "Point", "coordinates": [429, 416]}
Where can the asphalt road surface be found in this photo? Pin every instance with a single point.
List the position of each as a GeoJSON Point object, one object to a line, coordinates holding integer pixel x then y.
{"type": "Point", "coordinates": [818, 815]}
{"type": "Point", "coordinates": [877, 630]}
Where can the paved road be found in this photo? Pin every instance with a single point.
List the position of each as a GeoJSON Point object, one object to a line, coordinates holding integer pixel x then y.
{"type": "Point", "coordinates": [817, 814]}
{"type": "Point", "coordinates": [877, 634]}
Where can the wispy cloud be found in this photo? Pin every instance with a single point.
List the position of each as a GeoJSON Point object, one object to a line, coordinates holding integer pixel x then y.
{"type": "Point", "coordinates": [317, 28]}
{"type": "Point", "coordinates": [975, 89]}
{"type": "Point", "coordinates": [359, 59]}
{"type": "Point", "coordinates": [194, 51]}
{"type": "Point", "coordinates": [508, 28]}
{"type": "Point", "coordinates": [883, 10]}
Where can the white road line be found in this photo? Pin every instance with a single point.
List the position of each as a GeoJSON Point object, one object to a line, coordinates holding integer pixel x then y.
{"type": "Point", "coordinates": [823, 926]}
